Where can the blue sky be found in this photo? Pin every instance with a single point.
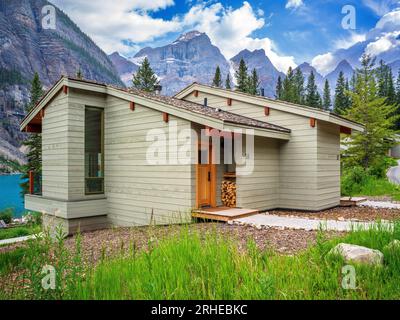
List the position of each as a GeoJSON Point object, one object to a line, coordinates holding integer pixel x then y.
{"type": "Point", "coordinates": [303, 32]}
{"type": "Point", "coordinates": [290, 31]}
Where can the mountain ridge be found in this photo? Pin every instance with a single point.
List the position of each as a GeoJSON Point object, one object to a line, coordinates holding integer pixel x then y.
{"type": "Point", "coordinates": [26, 48]}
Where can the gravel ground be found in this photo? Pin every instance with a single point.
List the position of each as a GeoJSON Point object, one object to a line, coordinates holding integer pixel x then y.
{"type": "Point", "coordinates": [110, 242]}
{"type": "Point", "coordinates": [346, 213]}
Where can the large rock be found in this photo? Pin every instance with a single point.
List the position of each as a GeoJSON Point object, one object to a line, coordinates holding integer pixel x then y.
{"type": "Point", "coordinates": [358, 254]}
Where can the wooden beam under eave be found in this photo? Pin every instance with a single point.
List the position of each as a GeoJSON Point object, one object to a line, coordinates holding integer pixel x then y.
{"type": "Point", "coordinates": [345, 130]}
{"type": "Point", "coordinates": [65, 89]}
{"type": "Point", "coordinates": [266, 111]}
{"type": "Point", "coordinates": [165, 117]}
{"type": "Point", "coordinates": [132, 106]}
{"type": "Point", "coordinates": [313, 122]}
{"type": "Point", "coordinates": [229, 102]}
{"type": "Point", "coordinates": [196, 93]}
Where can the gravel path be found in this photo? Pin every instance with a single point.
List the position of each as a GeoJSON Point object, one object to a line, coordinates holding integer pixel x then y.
{"type": "Point", "coordinates": [273, 221]}
{"type": "Point", "coordinates": [344, 213]}
{"type": "Point", "coordinates": [380, 204]}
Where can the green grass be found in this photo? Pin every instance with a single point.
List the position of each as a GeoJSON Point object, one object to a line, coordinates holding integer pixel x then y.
{"type": "Point", "coordinates": [18, 232]}
{"type": "Point", "coordinates": [191, 265]}
{"type": "Point", "coordinates": [372, 186]}
{"type": "Point", "coordinates": [187, 267]}
{"type": "Point", "coordinates": [11, 260]}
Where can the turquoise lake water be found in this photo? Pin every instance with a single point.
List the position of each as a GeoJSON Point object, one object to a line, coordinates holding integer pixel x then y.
{"type": "Point", "coordinates": [10, 193]}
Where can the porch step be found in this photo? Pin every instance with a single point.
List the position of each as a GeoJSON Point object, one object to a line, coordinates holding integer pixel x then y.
{"type": "Point", "coordinates": [223, 213]}
{"type": "Point", "coordinates": [351, 201]}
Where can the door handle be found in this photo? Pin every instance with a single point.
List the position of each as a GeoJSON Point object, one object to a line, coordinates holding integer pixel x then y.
{"type": "Point", "coordinates": [209, 176]}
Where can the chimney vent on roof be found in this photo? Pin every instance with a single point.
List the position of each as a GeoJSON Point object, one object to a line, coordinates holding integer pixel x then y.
{"type": "Point", "coordinates": [205, 102]}
{"type": "Point", "coordinates": [157, 89]}
{"type": "Point", "coordinates": [262, 92]}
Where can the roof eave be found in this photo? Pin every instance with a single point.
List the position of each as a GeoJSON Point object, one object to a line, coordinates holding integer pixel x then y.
{"type": "Point", "coordinates": [260, 101]}
{"type": "Point", "coordinates": [162, 107]}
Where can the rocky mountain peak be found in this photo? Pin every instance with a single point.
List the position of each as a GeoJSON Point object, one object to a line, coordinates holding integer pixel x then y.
{"type": "Point", "coordinates": [190, 36]}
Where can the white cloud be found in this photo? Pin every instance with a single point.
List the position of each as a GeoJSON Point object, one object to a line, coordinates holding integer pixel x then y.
{"type": "Point", "coordinates": [383, 44]}
{"type": "Point", "coordinates": [324, 63]}
{"type": "Point", "coordinates": [294, 4]}
{"type": "Point", "coordinates": [110, 22]}
{"type": "Point", "coordinates": [231, 31]}
{"type": "Point", "coordinates": [381, 7]}
{"type": "Point", "coordinates": [345, 43]}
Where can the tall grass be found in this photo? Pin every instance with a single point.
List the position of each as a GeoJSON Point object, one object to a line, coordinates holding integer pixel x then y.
{"type": "Point", "coordinates": [191, 265]}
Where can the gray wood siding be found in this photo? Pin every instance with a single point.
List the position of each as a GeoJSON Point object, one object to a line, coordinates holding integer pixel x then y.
{"type": "Point", "coordinates": [328, 165]}
{"type": "Point", "coordinates": [298, 158]}
{"type": "Point", "coordinates": [133, 187]}
{"type": "Point", "coordinates": [55, 149]}
{"type": "Point", "coordinates": [260, 189]}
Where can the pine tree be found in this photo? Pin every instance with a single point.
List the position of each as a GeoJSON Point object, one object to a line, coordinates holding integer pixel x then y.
{"type": "Point", "coordinates": [242, 77]}
{"type": "Point", "coordinates": [217, 81]}
{"type": "Point", "coordinates": [79, 74]}
{"type": "Point", "coordinates": [253, 83]}
{"type": "Point", "coordinates": [34, 140]}
{"type": "Point", "coordinates": [327, 102]}
{"type": "Point", "coordinates": [145, 79]}
{"type": "Point", "coordinates": [341, 100]}
{"type": "Point", "coordinates": [228, 84]}
{"type": "Point", "coordinates": [398, 89]}
{"type": "Point", "coordinates": [382, 77]}
{"type": "Point", "coordinates": [312, 96]}
{"type": "Point", "coordinates": [370, 147]}
{"type": "Point", "coordinates": [391, 91]}
{"type": "Point", "coordinates": [288, 91]}
{"type": "Point", "coordinates": [279, 89]}
{"type": "Point", "coordinates": [298, 83]}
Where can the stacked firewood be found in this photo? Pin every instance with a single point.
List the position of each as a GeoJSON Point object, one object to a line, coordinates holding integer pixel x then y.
{"type": "Point", "coordinates": [228, 196]}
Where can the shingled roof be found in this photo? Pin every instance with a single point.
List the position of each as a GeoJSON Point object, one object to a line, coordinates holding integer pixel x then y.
{"type": "Point", "coordinates": [221, 115]}
{"type": "Point", "coordinates": [209, 111]}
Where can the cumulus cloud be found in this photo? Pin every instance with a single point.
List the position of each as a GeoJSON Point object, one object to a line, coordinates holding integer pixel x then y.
{"type": "Point", "coordinates": [231, 30]}
{"type": "Point", "coordinates": [294, 4]}
{"type": "Point", "coordinates": [383, 44]}
{"type": "Point", "coordinates": [381, 7]}
{"type": "Point", "coordinates": [324, 63]}
{"type": "Point", "coordinates": [118, 25]}
{"type": "Point", "coordinates": [352, 39]}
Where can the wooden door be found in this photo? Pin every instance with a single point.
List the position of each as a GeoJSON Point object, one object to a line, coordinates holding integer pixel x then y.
{"type": "Point", "coordinates": [206, 177]}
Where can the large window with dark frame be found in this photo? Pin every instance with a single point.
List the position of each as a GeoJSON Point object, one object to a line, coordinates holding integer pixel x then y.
{"type": "Point", "coordinates": [94, 150]}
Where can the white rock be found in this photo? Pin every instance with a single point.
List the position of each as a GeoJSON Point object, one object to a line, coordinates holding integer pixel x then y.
{"type": "Point", "coordinates": [358, 254]}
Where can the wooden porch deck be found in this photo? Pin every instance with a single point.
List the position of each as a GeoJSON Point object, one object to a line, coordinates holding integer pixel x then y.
{"type": "Point", "coordinates": [224, 214]}
{"type": "Point", "coordinates": [351, 201]}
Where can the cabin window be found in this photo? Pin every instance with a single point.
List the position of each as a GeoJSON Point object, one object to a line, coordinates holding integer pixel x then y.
{"type": "Point", "coordinates": [94, 150]}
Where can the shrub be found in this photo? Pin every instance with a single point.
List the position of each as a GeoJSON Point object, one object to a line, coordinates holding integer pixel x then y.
{"type": "Point", "coordinates": [380, 167]}
{"type": "Point", "coordinates": [352, 180]}
{"type": "Point", "coordinates": [7, 215]}
{"type": "Point", "coordinates": [33, 218]}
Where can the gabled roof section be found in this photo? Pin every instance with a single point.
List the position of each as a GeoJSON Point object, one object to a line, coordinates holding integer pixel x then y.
{"type": "Point", "coordinates": [208, 116]}
{"type": "Point", "coordinates": [273, 104]}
